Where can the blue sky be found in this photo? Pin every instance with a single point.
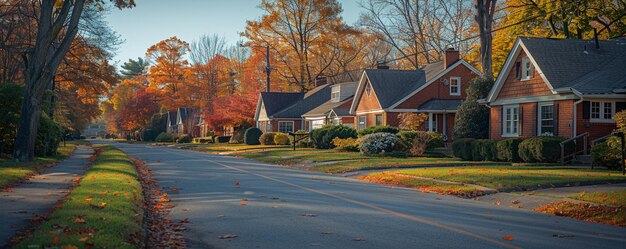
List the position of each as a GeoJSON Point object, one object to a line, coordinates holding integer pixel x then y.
{"type": "Point", "coordinates": [154, 20]}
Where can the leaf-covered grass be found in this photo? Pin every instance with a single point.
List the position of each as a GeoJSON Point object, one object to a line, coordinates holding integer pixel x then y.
{"type": "Point", "coordinates": [12, 172]}
{"type": "Point", "coordinates": [422, 184]}
{"type": "Point", "coordinates": [225, 147]}
{"type": "Point", "coordinates": [615, 198]}
{"type": "Point", "coordinates": [290, 157]}
{"type": "Point", "coordinates": [393, 162]}
{"type": "Point", "coordinates": [104, 211]}
{"type": "Point", "coordinates": [516, 177]}
{"type": "Point", "coordinates": [615, 216]}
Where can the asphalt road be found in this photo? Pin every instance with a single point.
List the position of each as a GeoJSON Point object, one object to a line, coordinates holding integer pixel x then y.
{"type": "Point", "coordinates": [287, 208]}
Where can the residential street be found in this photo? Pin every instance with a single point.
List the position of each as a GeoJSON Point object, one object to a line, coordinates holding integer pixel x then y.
{"type": "Point", "coordinates": [279, 207]}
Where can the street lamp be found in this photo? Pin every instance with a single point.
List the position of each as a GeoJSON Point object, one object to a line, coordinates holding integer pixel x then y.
{"type": "Point", "coordinates": [268, 69]}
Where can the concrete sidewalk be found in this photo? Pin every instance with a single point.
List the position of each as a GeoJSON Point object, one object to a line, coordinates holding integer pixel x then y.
{"type": "Point", "coordinates": [40, 194]}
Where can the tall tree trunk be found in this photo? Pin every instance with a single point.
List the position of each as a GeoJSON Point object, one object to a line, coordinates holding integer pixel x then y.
{"type": "Point", "coordinates": [56, 30]}
{"type": "Point", "coordinates": [484, 17]}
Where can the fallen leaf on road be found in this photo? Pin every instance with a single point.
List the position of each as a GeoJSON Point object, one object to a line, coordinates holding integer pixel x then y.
{"type": "Point", "coordinates": [237, 183]}
{"type": "Point", "coordinates": [327, 233]}
{"type": "Point", "coordinates": [185, 209]}
{"type": "Point", "coordinates": [507, 237]}
{"type": "Point", "coordinates": [242, 203]}
{"type": "Point", "coordinates": [185, 220]}
{"type": "Point", "coordinates": [498, 203]}
{"type": "Point", "coordinates": [515, 202]}
{"type": "Point", "coordinates": [309, 215]}
{"type": "Point", "coordinates": [228, 236]}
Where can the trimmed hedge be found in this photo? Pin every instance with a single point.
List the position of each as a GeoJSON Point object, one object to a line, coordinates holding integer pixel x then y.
{"type": "Point", "coordinates": [281, 139]}
{"type": "Point", "coordinates": [252, 136]}
{"type": "Point", "coordinates": [378, 129]}
{"type": "Point", "coordinates": [149, 135]}
{"type": "Point", "coordinates": [347, 144]}
{"type": "Point", "coordinates": [608, 153]}
{"type": "Point", "coordinates": [267, 138]}
{"type": "Point", "coordinates": [462, 148]}
{"type": "Point", "coordinates": [484, 150]}
{"type": "Point", "coordinates": [164, 137]}
{"type": "Point", "coordinates": [508, 149]}
{"type": "Point", "coordinates": [223, 139]}
{"type": "Point", "coordinates": [322, 138]}
{"type": "Point", "coordinates": [542, 149]}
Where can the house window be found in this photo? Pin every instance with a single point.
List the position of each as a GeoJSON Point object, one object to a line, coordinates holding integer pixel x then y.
{"type": "Point", "coordinates": [511, 121]}
{"type": "Point", "coordinates": [455, 86]}
{"type": "Point", "coordinates": [432, 122]}
{"type": "Point", "coordinates": [361, 122]}
{"type": "Point", "coordinates": [335, 94]}
{"type": "Point", "coordinates": [368, 89]}
{"type": "Point", "coordinates": [379, 119]}
{"type": "Point", "coordinates": [268, 126]}
{"type": "Point", "coordinates": [316, 124]}
{"type": "Point", "coordinates": [602, 111]}
{"type": "Point", "coordinates": [527, 69]}
{"type": "Point", "coordinates": [285, 126]}
{"type": "Point", "coordinates": [546, 119]}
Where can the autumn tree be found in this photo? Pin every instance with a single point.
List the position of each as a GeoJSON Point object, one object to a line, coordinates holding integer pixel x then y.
{"type": "Point", "coordinates": [132, 68]}
{"type": "Point", "coordinates": [167, 69]}
{"type": "Point", "coordinates": [412, 121]}
{"type": "Point", "coordinates": [299, 33]}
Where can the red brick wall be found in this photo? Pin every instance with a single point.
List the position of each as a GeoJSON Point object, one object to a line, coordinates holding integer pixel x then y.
{"type": "Point", "coordinates": [297, 124]}
{"type": "Point", "coordinates": [596, 130]}
{"type": "Point", "coordinates": [514, 88]}
{"type": "Point", "coordinates": [529, 119]}
{"type": "Point", "coordinates": [437, 90]}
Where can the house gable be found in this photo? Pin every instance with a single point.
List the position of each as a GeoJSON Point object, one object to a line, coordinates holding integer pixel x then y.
{"type": "Point", "coordinates": [435, 87]}
{"type": "Point", "coordinates": [367, 102]}
{"type": "Point", "coordinates": [536, 86]}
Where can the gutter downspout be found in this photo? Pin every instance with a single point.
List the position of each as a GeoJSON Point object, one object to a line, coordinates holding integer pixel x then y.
{"type": "Point", "coordinates": [580, 95]}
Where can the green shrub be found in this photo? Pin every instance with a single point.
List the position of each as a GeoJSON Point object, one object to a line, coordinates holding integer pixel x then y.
{"type": "Point", "coordinates": [346, 144]}
{"type": "Point", "coordinates": [48, 137]}
{"type": "Point", "coordinates": [210, 134]}
{"type": "Point", "coordinates": [484, 150]}
{"type": "Point", "coordinates": [222, 139]}
{"type": "Point", "coordinates": [149, 135]}
{"type": "Point", "coordinates": [427, 141]}
{"type": "Point", "coordinates": [542, 149]}
{"type": "Point", "coordinates": [322, 138]}
{"type": "Point", "coordinates": [164, 137]}
{"type": "Point", "coordinates": [252, 136]}
{"type": "Point", "coordinates": [380, 143]}
{"type": "Point", "coordinates": [508, 149]}
{"type": "Point", "coordinates": [608, 153]}
{"type": "Point", "coordinates": [377, 129]}
{"type": "Point", "coordinates": [436, 140]}
{"type": "Point", "coordinates": [281, 139]}
{"type": "Point", "coordinates": [462, 148]}
{"type": "Point", "coordinates": [267, 138]}
{"type": "Point", "coordinates": [183, 139]}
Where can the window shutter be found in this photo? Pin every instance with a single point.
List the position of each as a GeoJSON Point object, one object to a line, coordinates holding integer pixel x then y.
{"type": "Point", "coordinates": [532, 70]}
{"type": "Point", "coordinates": [536, 118]}
{"type": "Point", "coordinates": [620, 106]}
{"type": "Point", "coordinates": [518, 70]}
{"type": "Point", "coordinates": [586, 109]}
{"type": "Point", "coordinates": [501, 120]}
{"type": "Point", "coordinates": [556, 119]}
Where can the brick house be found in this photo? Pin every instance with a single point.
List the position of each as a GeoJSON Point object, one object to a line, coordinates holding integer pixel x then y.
{"type": "Point", "coordinates": [437, 89]}
{"type": "Point", "coordinates": [558, 87]}
{"type": "Point", "coordinates": [335, 111]}
{"type": "Point", "coordinates": [282, 111]}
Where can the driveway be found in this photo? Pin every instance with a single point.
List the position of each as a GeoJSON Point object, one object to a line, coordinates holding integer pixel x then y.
{"type": "Point", "coordinates": [270, 206]}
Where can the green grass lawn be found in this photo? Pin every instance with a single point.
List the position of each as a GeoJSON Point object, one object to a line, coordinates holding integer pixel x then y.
{"type": "Point", "coordinates": [422, 185]}
{"type": "Point", "coordinates": [517, 177]}
{"type": "Point", "coordinates": [346, 161]}
{"type": "Point", "coordinates": [104, 211]}
{"type": "Point", "coordinates": [12, 172]}
{"type": "Point", "coordinates": [225, 147]}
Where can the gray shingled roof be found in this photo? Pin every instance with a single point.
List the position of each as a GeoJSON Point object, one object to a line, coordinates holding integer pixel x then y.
{"type": "Point", "coordinates": [441, 104]}
{"type": "Point", "coordinates": [324, 109]}
{"type": "Point", "coordinates": [342, 112]}
{"type": "Point", "coordinates": [433, 69]}
{"type": "Point", "coordinates": [578, 64]}
{"type": "Point", "coordinates": [277, 101]}
{"type": "Point", "coordinates": [184, 112]}
{"type": "Point", "coordinates": [310, 100]}
{"type": "Point", "coordinates": [392, 85]}
{"type": "Point", "coordinates": [172, 116]}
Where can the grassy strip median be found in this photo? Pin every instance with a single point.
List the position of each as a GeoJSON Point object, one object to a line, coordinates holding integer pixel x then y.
{"type": "Point", "coordinates": [103, 211]}
{"type": "Point", "coordinates": [13, 172]}
{"type": "Point", "coordinates": [423, 184]}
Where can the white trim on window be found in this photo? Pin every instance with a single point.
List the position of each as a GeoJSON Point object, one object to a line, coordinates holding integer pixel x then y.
{"type": "Point", "coordinates": [540, 119]}
{"type": "Point", "coordinates": [601, 111]}
{"type": "Point", "coordinates": [455, 86]}
{"type": "Point", "coordinates": [510, 121]}
{"type": "Point", "coordinates": [281, 123]}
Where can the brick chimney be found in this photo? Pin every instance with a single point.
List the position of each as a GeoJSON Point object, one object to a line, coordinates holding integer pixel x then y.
{"type": "Point", "coordinates": [450, 56]}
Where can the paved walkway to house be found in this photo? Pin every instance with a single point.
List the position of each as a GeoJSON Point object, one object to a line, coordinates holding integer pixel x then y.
{"type": "Point", "coordinates": [40, 194]}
